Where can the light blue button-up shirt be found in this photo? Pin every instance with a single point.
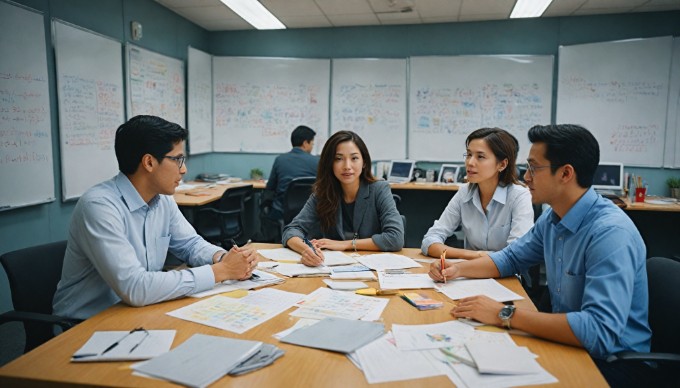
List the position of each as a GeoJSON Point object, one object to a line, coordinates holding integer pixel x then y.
{"type": "Point", "coordinates": [509, 215]}
{"type": "Point", "coordinates": [595, 264]}
{"type": "Point", "coordinates": [116, 249]}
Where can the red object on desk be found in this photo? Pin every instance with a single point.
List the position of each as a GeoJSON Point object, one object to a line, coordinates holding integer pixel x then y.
{"type": "Point", "coordinates": [640, 193]}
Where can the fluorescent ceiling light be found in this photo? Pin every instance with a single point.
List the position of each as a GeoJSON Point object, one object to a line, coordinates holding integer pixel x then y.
{"type": "Point", "coordinates": [255, 13]}
{"type": "Point", "coordinates": [529, 8]}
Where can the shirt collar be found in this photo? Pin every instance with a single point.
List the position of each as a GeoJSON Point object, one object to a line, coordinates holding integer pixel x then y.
{"type": "Point", "coordinates": [574, 217]}
{"type": "Point", "coordinates": [500, 195]}
{"type": "Point", "coordinates": [130, 195]}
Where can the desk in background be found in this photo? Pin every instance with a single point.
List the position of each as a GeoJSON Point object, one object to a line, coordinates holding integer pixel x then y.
{"type": "Point", "coordinates": [300, 366]}
{"type": "Point", "coordinates": [184, 197]}
{"type": "Point", "coordinates": [658, 225]}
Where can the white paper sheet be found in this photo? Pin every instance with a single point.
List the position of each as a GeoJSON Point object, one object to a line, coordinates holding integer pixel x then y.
{"type": "Point", "coordinates": [265, 279]}
{"type": "Point", "coordinates": [329, 303]}
{"type": "Point", "coordinates": [280, 254]}
{"type": "Point", "coordinates": [404, 281]}
{"type": "Point", "coordinates": [292, 270]}
{"type": "Point", "coordinates": [383, 362]}
{"type": "Point", "coordinates": [332, 258]}
{"type": "Point", "coordinates": [506, 359]}
{"type": "Point", "coordinates": [131, 346]}
{"type": "Point", "coordinates": [363, 275]}
{"type": "Point", "coordinates": [383, 261]}
{"type": "Point", "coordinates": [238, 315]}
{"type": "Point", "coordinates": [463, 288]}
{"type": "Point", "coordinates": [345, 286]}
{"type": "Point", "coordinates": [432, 336]}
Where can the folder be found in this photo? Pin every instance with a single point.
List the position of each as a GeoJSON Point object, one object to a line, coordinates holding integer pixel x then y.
{"type": "Point", "coordinates": [336, 334]}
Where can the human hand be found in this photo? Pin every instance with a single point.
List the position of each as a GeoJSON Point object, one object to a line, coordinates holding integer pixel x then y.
{"type": "Point", "coordinates": [239, 263]}
{"type": "Point", "coordinates": [481, 308]}
{"type": "Point", "coordinates": [312, 256]}
{"type": "Point", "coordinates": [332, 245]}
{"type": "Point", "coordinates": [450, 271]}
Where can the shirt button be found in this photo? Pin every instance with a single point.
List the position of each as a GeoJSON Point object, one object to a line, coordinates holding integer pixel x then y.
{"type": "Point", "coordinates": [558, 290]}
{"type": "Point", "coordinates": [560, 238]}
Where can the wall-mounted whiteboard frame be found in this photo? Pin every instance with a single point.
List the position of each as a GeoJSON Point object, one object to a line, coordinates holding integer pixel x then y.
{"type": "Point", "coordinates": [200, 95]}
{"type": "Point", "coordinates": [155, 85]}
{"type": "Point", "coordinates": [672, 150]}
{"type": "Point", "coordinates": [258, 102]}
{"type": "Point", "coordinates": [26, 161]}
{"type": "Point", "coordinates": [368, 96]}
{"type": "Point", "coordinates": [619, 91]}
{"type": "Point", "coordinates": [451, 96]}
{"type": "Point", "coordinates": [91, 105]}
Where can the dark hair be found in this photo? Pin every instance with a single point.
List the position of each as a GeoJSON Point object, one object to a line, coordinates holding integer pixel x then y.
{"type": "Point", "coordinates": [300, 134]}
{"type": "Point", "coordinates": [504, 146]}
{"type": "Point", "coordinates": [569, 144]}
{"type": "Point", "coordinates": [327, 188]}
{"type": "Point", "coordinates": [143, 135]}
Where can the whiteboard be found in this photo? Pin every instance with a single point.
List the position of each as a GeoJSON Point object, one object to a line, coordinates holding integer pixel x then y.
{"type": "Point", "coordinates": [672, 151]}
{"type": "Point", "coordinates": [258, 102]}
{"type": "Point", "coordinates": [155, 85]}
{"type": "Point", "coordinates": [452, 96]}
{"type": "Point", "coordinates": [91, 106]}
{"type": "Point", "coordinates": [619, 91]}
{"type": "Point", "coordinates": [368, 96]}
{"type": "Point", "coordinates": [26, 164]}
{"type": "Point", "coordinates": [200, 101]}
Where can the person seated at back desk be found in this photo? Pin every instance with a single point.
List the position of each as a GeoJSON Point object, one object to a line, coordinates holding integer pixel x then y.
{"type": "Point", "coordinates": [594, 256]}
{"type": "Point", "coordinates": [299, 162]}
{"type": "Point", "coordinates": [348, 209]}
{"type": "Point", "coordinates": [122, 229]}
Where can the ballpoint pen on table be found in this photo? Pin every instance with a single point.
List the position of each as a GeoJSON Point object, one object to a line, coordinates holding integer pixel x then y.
{"type": "Point", "coordinates": [113, 345]}
{"type": "Point", "coordinates": [442, 258]}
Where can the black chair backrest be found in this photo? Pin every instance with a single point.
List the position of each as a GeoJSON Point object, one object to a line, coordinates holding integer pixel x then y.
{"type": "Point", "coordinates": [297, 193]}
{"type": "Point", "coordinates": [664, 299]}
{"type": "Point", "coordinates": [33, 274]}
{"type": "Point", "coordinates": [235, 198]}
{"type": "Point", "coordinates": [397, 201]}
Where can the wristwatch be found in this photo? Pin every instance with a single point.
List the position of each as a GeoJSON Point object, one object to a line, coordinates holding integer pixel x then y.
{"type": "Point", "coordinates": [506, 314]}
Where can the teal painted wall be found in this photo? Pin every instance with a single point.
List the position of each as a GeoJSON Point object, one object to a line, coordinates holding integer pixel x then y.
{"type": "Point", "coordinates": [169, 34]}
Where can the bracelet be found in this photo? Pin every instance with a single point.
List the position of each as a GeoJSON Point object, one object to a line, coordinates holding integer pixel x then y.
{"type": "Point", "coordinates": [354, 243]}
{"type": "Point", "coordinates": [219, 260]}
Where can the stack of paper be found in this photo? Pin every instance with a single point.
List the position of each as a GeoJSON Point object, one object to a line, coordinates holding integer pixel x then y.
{"type": "Point", "coordinates": [432, 336]}
{"type": "Point", "coordinates": [404, 281]}
{"type": "Point", "coordinates": [258, 280]}
{"type": "Point", "coordinates": [365, 275]}
{"type": "Point", "coordinates": [265, 356]}
{"type": "Point", "coordinates": [336, 334]}
{"type": "Point", "coordinates": [344, 286]}
{"type": "Point", "coordinates": [286, 255]}
{"type": "Point", "coordinates": [200, 360]}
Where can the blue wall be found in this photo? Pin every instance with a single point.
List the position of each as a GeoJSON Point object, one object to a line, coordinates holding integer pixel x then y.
{"type": "Point", "coordinates": [169, 34]}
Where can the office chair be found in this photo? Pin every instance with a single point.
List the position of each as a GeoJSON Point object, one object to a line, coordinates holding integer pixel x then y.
{"type": "Point", "coordinates": [33, 275]}
{"type": "Point", "coordinates": [297, 193]}
{"type": "Point", "coordinates": [397, 201]}
{"type": "Point", "coordinates": [224, 222]}
{"type": "Point", "coordinates": [664, 299]}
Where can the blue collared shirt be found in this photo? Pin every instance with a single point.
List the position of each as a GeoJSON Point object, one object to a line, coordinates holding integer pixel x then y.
{"type": "Point", "coordinates": [509, 215]}
{"type": "Point", "coordinates": [116, 249]}
{"type": "Point", "coordinates": [595, 264]}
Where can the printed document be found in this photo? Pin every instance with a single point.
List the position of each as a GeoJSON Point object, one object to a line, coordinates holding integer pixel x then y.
{"type": "Point", "coordinates": [383, 261]}
{"type": "Point", "coordinates": [324, 303]}
{"type": "Point", "coordinates": [404, 281]}
{"type": "Point", "coordinates": [260, 279]}
{"type": "Point", "coordinates": [238, 315]}
{"type": "Point", "coordinates": [433, 336]}
{"type": "Point", "coordinates": [136, 345]}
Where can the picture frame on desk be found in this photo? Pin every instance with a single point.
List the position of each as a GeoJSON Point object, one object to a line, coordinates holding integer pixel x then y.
{"type": "Point", "coordinates": [452, 173]}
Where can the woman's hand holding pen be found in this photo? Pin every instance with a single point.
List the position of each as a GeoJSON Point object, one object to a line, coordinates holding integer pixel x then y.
{"type": "Point", "coordinates": [312, 256]}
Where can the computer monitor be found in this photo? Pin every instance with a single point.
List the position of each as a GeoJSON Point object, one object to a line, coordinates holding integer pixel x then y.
{"type": "Point", "coordinates": [452, 173]}
{"type": "Point", "coordinates": [521, 171]}
{"type": "Point", "coordinates": [401, 171]}
{"type": "Point", "coordinates": [608, 177]}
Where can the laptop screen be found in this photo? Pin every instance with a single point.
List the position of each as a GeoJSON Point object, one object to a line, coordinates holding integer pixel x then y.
{"type": "Point", "coordinates": [401, 171]}
{"type": "Point", "coordinates": [608, 176]}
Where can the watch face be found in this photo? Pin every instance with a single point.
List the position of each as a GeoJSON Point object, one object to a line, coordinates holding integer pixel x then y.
{"type": "Point", "coordinates": [506, 312]}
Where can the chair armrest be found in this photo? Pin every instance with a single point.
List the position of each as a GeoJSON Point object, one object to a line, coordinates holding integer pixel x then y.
{"type": "Point", "coordinates": [634, 356]}
{"type": "Point", "coordinates": [25, 316]}
{"type": "Point", "coordinates": [220, 212]}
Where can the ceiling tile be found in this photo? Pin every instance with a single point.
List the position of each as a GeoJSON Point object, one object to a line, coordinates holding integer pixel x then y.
{"type": "Point", "coordinates": [563, 7]}
{"type": "Point", "coordinates": [438, 8]}
{"type": "Point", "coordinates": [354, 20]}
{"type": "Point", "coordinates": [306, 21]}
{"type": "Point", "coordinates": [189, 3]}
{"type": "Point", "coordinates": [347, 7]}
{"type": "Point", "coordinates": [612, 4]}
{"type": "Point", "coordinates": [281, 8]}
{"type": "Point", "coordinates": [481, 16]}
{"type": "Point", "coordinates": [487, 7]}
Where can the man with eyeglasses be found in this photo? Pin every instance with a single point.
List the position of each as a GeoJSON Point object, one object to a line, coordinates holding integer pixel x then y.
{"type": "Point", "coordinates": [122, 229]}
{"type": "Point", "coordinates": [593, 253]}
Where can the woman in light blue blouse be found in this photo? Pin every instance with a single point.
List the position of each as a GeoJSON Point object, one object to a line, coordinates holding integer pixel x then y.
{"type": "Point", "coordinates": [493, 207]}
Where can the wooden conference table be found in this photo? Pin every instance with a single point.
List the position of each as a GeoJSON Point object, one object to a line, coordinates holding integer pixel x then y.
{"type": "Point", "coordinates": [299, 367]}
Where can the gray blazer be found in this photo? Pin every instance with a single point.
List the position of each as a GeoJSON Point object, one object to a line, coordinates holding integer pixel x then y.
{"type": "Point", "coordinates": [375, 216]}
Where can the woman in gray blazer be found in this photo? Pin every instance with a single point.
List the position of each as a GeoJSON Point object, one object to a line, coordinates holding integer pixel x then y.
{"type": "Point", "coordinates": [348, 208]}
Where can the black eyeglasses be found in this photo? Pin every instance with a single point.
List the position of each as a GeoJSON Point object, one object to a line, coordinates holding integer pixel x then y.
{"type": "Point", "coordinates": [179, 159]}
{"type": "Point", "coordinates": [532, 169]}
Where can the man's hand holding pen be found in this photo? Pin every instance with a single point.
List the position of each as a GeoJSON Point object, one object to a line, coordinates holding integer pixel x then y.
{"type": "Point", "coordinates": [239, 263]}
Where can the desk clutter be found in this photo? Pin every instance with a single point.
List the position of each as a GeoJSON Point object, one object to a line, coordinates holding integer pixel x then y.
{"type": "Point", "coordinates": [335, 319]}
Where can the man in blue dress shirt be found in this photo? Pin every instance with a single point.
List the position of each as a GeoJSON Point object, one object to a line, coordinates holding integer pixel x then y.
{"type": "Point", "coordinates": [122, 229]}
{"type": "Point", "coordinates": [593, 254]}
{"type": "Point", "coordinates": [299, 162]}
